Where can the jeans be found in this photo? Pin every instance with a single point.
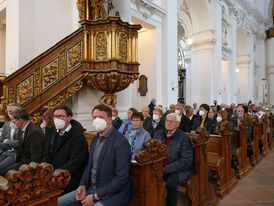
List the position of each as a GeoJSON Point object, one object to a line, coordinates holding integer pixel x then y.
{"type": "Point", "coordinates": [5, 161]}
{"type": "Point", "coordinates": [69, 199]}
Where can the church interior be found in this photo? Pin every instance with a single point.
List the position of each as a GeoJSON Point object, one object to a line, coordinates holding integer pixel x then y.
{"type": "Point", "coordinates": [126, 53]}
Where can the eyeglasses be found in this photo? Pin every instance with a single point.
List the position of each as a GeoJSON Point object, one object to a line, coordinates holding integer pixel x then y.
{"type": "Point", "coordinates": [170, 121]}
{"type": "Point", "coordinates": [60, 116]}
{"type": "Point", "coordinates": [136, 120]}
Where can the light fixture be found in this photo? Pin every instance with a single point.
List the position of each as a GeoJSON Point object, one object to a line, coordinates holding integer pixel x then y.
{"type": "Point", "coordinates": [237, 70]}
{"type": "Point", "coordinates": [189, 41]}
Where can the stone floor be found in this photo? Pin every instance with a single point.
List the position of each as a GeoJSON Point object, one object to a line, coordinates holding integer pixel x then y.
{"type": "Point", "coordinates": [255, 189]}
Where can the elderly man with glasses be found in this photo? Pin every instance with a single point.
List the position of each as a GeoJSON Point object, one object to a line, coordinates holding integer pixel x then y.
{"type": "Point", "coordinates": [176, 165]}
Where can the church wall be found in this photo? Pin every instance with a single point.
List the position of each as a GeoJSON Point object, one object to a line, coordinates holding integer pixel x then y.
{"type": "Point", "coordinates": [12, 36]}
{"type": "Point", "coordinates": [146, 46]}
{"type": "Point", "coordinates": [33, 26]}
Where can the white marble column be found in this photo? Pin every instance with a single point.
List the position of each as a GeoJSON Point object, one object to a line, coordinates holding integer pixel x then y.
{"type": "Point", "coordinates": [233, 61]}
{"type": "Point", "coordinates": [202, 75]}
{"type": "Point", "coordinates": [270, 69]}
{"type": "Point", "coordinates": [218, 80]}
{"type": "Point", "coordinates": [170, 53]}
{"type": "Point", "coordinates": [251, 67]}
{"type": "Point", "coordinates": [259, 67]}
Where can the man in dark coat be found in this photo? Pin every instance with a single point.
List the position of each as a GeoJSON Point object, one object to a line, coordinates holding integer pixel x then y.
{"type": "Point", "coordinates": [66, 146]}
{"type": "Point", "coordinates": [235, 121]}
{"type": "Point", "coordinates": [106, 179]}
{"type": "Point", "coordinates": [176, 166]}
{"type": "Point", "coordinates": [152, 105]}
{"type": "Point", "coordinates": [30, 139]}
{"type": "Point", "coordinates": [116, 121]}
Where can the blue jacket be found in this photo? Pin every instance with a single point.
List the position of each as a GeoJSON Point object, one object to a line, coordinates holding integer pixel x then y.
{"type": "Point", "coordinates": [121, 129]}
{"type": "Point", "coordinates": [112, 173]}
{"type": "Point", "coordinates": [141, 136]}
{"type": "Point", "coordinates": [180, 153]}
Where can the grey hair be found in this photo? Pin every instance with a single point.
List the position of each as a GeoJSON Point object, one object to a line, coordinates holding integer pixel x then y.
{"type": "Point", "coordinates": [14, 105]}
{"type": "Point", "coordinates": [20, 114]}
{"type": "Point", "coordinates": [177, 117]}
{"type": "Point", "coordinates": [180, 105]}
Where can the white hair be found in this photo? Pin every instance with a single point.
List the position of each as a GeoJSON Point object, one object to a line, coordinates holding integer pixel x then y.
{"type": "Point", "coordinates": [177, 117]}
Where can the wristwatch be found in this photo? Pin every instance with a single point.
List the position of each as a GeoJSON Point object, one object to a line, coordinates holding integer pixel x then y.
{"type": "Point", "coordinates": [94, 199]}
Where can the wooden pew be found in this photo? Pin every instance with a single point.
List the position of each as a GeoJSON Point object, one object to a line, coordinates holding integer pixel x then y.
{"type": "Point", "coordinates": [264, 138]}
{"type": "Point", "coordinates": [146, 175]}
{"type": "Point", "coordinates": [219, 159]}
{"type": "Point", "coordinates": [271, 125]}
{"type": "Point", "coordinates": [256, 157]}
{"type": "Point", "coordinates": [33, 184]}
{"type": "Point", "coordinates": [241, 150]}
{"type": "Point", "coordinates": [89, 136]}
{"type": "Point", "coordinates": [198, 189]}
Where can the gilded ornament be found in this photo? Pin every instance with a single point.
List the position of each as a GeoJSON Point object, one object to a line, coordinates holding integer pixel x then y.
{"type": "Point", "coordinates": [62, 69]}
{"type": "Point", "coordinates": [24, 90]}
{"type": "Point", "coordinates": [98, 10]}
{"type": "Point", "coordinates": [65, 95]}
{"type": "Point", "coordinates": [123, 47]}
{"type": "Point", "coordinates": [74, 56]}
{"type": "Point", "coordinates": [50, 73]}
{"type": "Point", "coordinates": [11, 96]}
{"type": "Point", "coordinates": [101, 46]}
{"type": "Point", "coordinates": [37, 82]}
{"type": "Point", "coordinates": [81, 6]}
{"type": "Point", "coordinates": [34, 118]}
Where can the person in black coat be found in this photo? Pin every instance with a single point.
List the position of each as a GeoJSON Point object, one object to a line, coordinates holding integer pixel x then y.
{"type": "Point", "coordinates": [176, 165]}
{"type": "Point", "coordinates": [158, 122]}
{"type": "Point", "coordinates": [152, 105]}
{"type": "Point", "coordinates": [66, 146]}
{"type": "Point", "coordinates": [116, 121]}
{"type": "Point", "coordinates": [203, 120]}
{"type": "Point", "coordinates": [147, 123]}
{"type": "Point", "coordinates": [188, 120]}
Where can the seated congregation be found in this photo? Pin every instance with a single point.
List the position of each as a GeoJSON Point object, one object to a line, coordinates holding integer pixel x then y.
{"type": "Point", "coordinates": [108, 170]}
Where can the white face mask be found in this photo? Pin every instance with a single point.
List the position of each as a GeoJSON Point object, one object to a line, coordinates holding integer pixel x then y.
{"type": "Point", "coordinates": [177, 111]}
{"type": "Point", "coordinates": [155, 117]}
{"type": "Point", "coordinates": [99, 124]}
{"type": "Point", "coordinates": [13, 126]}
{"type": "Point", "coordinates": [113, 118]}
{"type": "Point", "coordinates": [219, 119]}
{"type": "Point", "coordinates": [201, 112]}
{"type": "Point", "coordinates": [59, 123]}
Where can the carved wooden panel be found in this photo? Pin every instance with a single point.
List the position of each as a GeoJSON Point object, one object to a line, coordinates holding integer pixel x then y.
{"type": "Point", "coordinates": [11, 95]}
{"type": "Point", "coordinates": [50, 73]}
{"type": "Point", "coordinates": [123, 47]}
{"type": "Point", "coordinates": [37, 82]}
{"type": "Point", "coordinates": [74, 56]}
{"type": "Point", "coordinates": [24, 90]}
{"type": "Point", "coordinates": [101, 46]}
{"type": "Point", "coordinates": [33, 184]}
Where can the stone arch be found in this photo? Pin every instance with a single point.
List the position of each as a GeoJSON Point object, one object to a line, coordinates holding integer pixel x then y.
{"type": "Point", "coordinates": [200, 17]}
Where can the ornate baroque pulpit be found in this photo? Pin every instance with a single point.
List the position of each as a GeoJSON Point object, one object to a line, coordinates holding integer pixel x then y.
{"type": "Point", "coordinates": [110, 50]}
